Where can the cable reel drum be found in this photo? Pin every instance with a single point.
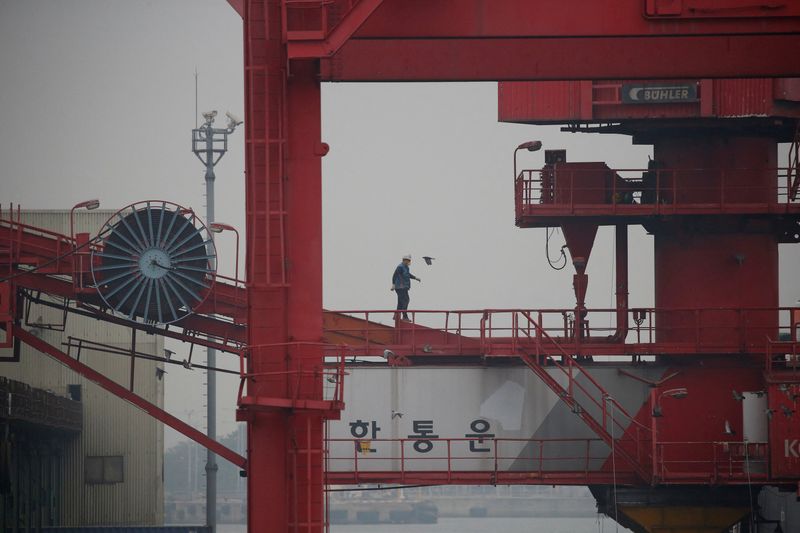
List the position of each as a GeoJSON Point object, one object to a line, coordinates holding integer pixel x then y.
{"type": "Point", "coordinates": [156, 262]}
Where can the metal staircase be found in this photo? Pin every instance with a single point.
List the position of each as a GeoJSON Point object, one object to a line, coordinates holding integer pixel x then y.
{"type": "Point", "coordinates": [589, 400]}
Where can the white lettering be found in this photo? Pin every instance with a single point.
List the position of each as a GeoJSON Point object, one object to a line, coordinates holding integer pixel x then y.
{"type": "Point", "coordinates": [790, 448]}
{"type": "Point", "coordinates": [662, 94]}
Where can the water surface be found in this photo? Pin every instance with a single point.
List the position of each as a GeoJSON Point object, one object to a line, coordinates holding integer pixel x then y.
{"type": "Point", "coordinates": [476, 525]}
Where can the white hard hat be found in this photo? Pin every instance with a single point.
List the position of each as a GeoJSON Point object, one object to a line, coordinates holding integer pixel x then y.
{"type": "Point", "coordinates": [407, 256]}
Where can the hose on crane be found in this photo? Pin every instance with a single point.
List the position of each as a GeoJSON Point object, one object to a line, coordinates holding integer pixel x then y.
{"type": "Point", "coordinates": [563, 256]}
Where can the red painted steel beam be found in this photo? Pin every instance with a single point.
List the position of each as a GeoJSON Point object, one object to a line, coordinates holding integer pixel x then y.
{"type": "Point", "coordinates": [306, 49]}
{"type": "Point", "coordinates": [505, 348]}
{"type": "Point", "coordinates": [122, 392]}
{"type": "Point", "coordinates": [207, 325]}
{"type": "Point", "coordinates": [36, 246]}
{"type": "Point", "coordinates": [534, 478]}
{"type": "Point", "coordinates": [482, 478]}
{"type": "Point", "coordinates": [304, 302]}
{"type": "Point", "coordinates": [284, 259]}
{"type": "Point", "coordinates": [487, 40]}
{"type": "Point", "coordinates": [444, 19]}
{"type": "Point", "coordinates": [238, 6]}
{"type": "Point", "coordinates": [53, 253]}
{"type": "Point", "coordinates": [226, 300]}
{"type": "Point", "coordinates": [576, 58]}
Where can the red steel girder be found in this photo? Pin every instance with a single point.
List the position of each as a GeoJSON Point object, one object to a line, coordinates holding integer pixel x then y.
{"type": "Point", "coordinates": [445, 19]}
{"type": "Point", "coordinates": [576, 58]}
{"type": "Point", "coordinates": [454, 40]}
{"type": "Point", "coordinates": [52, 253]}
{"type": "Point", "coordinates": [306, 48]}
{"type": "Point", "coordinates": [120, 391]}
{"type": "Point", "coordinates": [482, 478]}
{"type": "Point", "coordinates": [48, 250]}
{"type": "Point", "coordinates": [226, 332]}
{"type": "Point", "coordinates": [284, 258]}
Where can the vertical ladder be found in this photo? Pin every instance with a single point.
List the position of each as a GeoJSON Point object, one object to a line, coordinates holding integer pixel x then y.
{"type": "Point", "coordinates": [307, 474]}
{"type": "Point", "coordinates": [266, 137]}
{"type": "Point", "coordinates": [793, 172]}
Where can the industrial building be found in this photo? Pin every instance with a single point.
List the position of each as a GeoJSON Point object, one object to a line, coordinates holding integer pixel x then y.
{"type": "Point", "coordinates": [103, 467]}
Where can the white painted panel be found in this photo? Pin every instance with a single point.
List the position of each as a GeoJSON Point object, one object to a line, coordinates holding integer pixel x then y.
{"type": "Point", "coordinates": [754, 413]}
{"type": "Point", "coordinates": [459, 404]}
{"type": "Point", "coordinates": [532, 428]}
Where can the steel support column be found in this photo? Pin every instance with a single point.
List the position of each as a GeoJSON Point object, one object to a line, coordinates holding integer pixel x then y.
{"type": "Point", "coordinates": [304, 317]}
{"type": "Point", "coordinates": [284, 258]}
{"type": "Point", "coordinates": [267, 431]}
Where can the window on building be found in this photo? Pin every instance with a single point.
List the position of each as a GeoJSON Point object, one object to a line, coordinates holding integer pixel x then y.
{"type": "Point", "coordinates": [74, 392]}
{"type": "Point", "coordinates": [104, 469]}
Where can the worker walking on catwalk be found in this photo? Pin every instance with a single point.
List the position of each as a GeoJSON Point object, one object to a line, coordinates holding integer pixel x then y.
{"type": "Point", "coordinates": [401, 284]}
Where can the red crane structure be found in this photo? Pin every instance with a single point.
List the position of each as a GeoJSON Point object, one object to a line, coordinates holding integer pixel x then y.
{"type": "Point", "coordinates": [713, 198]}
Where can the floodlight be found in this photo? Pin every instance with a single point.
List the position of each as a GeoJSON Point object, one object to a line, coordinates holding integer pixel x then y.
{"type": "Point", "coordinates": [89, 205]}
{"type": "Point", "coordinates": [530, 146]}
{"type": "Point", "coordinates": [233, 120]}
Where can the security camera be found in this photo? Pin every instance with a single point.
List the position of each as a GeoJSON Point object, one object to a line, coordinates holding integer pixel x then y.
{"type": "Point", "coordinates": [209, 115]}
{"type": "Point", "coordinates": [233, 120]}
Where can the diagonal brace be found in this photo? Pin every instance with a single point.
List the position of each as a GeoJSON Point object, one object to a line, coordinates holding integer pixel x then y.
{"type": "Point", "coordinates": [305, 49]}
{"type": "Point", "coordinates": [120, 391]}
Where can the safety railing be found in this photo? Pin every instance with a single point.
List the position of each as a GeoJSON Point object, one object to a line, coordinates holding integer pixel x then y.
{"type": "Point", "coordinates": [784, 357]}
{"type": "Point", "coordinates": [793, 172]}
{"type": "Point", "coordinates": [228, 297]}
{"type": "Point", "coordinates": [477, 454]}
{"type": "Point", "coordinates": [510, 331]}
{"type": "Point", "coordinates": [566, 190]}
{"type": "Point", "coordinates": [30, 243]}
{"type": "Point", "coordinates": [48, 251]}
{"type": "Point", "coordinates": [715, 462]}
{"type": "Point", "coordinates": [22, 243]}
{"type": "Point", "coordinates": [459, 460]}
{"type": "Point", "coordinates": [318, 386]}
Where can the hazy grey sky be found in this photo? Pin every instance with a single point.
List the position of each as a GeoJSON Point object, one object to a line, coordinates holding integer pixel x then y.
{"type": "Point", "coordinates": [97, 100]}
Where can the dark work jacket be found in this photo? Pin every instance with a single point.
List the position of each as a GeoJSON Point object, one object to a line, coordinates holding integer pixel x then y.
{"type": "Point", "coordinates": [401, 279]}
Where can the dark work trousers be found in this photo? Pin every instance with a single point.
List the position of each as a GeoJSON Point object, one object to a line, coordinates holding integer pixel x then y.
{"type": "Point", "coordinates": [402, 301]}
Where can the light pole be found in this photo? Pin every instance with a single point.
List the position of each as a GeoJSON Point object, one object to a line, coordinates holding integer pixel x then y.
{"type": "Point", "coordinates": [89, 205]}
{"type": "Point", "coordinates": [531, 146]}
{"type": "Point", "coordinates": [219, 227]}
{"type": "Point", "coordinates": [655, 402]}
{"type": "Point", "coordinates": [209, 144]}
{"type": "Point", "coordinates": [80, 259]}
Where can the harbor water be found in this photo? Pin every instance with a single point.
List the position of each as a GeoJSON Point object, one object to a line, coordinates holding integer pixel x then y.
{"type": "Point", "coordinates": [475, 525]}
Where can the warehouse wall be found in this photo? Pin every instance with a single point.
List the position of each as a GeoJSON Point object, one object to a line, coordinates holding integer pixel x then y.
{"type": "Point", "coordinates": [111, 426]}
